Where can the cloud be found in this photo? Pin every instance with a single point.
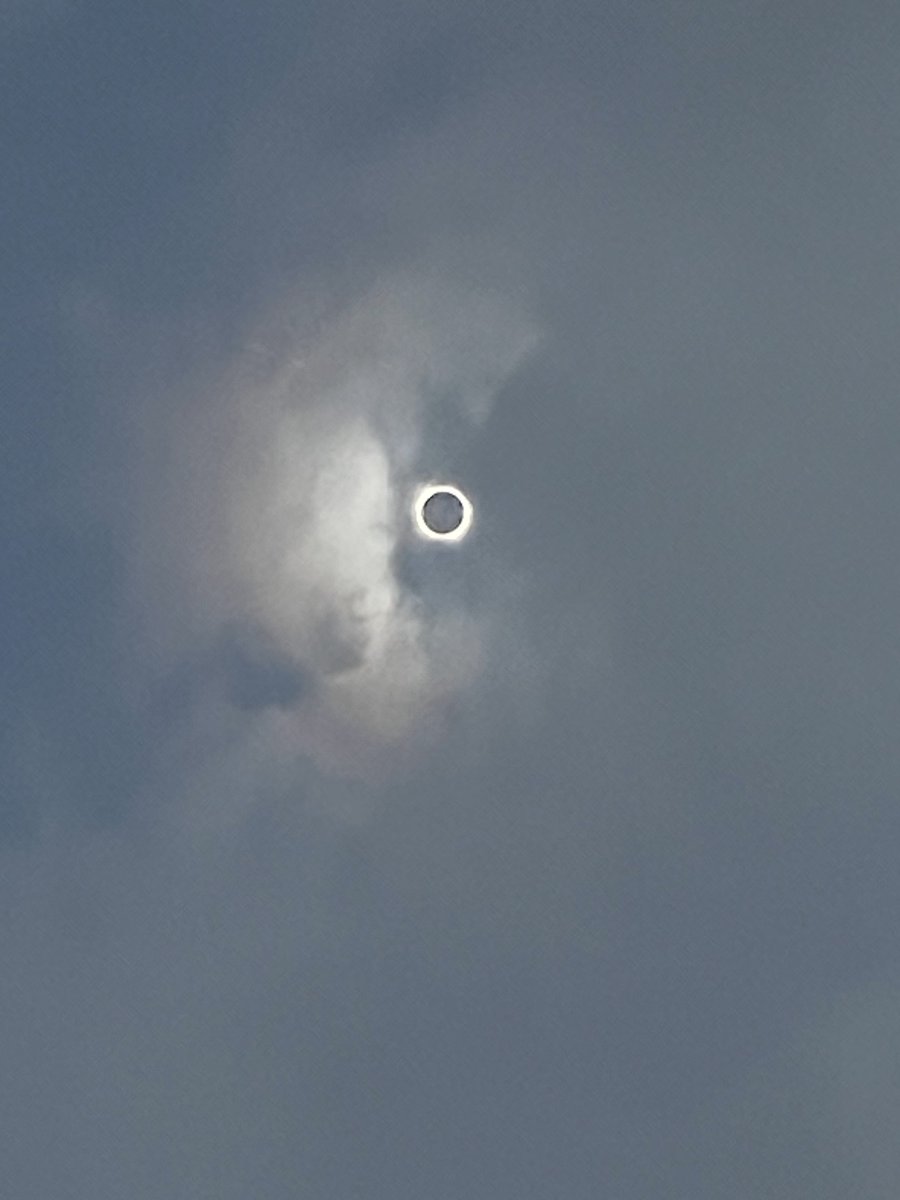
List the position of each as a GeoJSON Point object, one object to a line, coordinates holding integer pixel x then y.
{"type": "Point", "coordinates": [275, 519]}
{"type": "Point", "coordinates": [258, 674]}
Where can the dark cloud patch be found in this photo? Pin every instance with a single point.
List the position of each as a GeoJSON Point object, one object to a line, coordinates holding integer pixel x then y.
{"type": "Point", "coordinates": [257, 672]}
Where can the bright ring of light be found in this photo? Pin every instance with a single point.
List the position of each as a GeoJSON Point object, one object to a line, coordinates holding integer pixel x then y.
{"type": "Point", "coordinates": [424, 494]}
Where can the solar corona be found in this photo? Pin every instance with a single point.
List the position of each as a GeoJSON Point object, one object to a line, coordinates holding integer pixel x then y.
{"type": "Point", "coordinates": [441, 512]}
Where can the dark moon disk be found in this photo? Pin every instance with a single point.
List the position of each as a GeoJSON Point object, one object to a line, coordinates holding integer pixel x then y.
{"type": "Point", "coordinates": [442, 512]}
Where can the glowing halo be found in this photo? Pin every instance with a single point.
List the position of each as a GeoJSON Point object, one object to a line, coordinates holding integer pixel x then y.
{"type": "Point", "coordinates": [424, 530]}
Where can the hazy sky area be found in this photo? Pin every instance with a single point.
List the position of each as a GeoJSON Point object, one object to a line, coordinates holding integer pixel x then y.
{"type": "Point", "coordinates": [558, 863]}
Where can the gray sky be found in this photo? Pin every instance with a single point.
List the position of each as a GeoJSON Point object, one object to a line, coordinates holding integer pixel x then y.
{"type": "Point", "coordinates": [561, 862]}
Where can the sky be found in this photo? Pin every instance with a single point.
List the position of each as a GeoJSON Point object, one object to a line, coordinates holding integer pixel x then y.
{"type": "Point", "coordinates": [559, 861]}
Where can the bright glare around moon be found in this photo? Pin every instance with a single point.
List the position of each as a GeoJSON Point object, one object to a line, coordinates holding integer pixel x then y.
{"type": "Point", "coordinates": [442, 512]}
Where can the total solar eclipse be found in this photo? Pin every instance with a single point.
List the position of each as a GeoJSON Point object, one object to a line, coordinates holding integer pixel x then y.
{"type": "Point", "coordinates": [442, 512]}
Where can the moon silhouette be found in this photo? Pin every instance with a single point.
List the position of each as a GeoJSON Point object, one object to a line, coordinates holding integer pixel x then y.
{"type": "Point", "coordinates": [442, 512]}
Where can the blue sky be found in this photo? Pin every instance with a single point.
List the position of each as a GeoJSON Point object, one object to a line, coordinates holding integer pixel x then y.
{"type": "Point", "coordinates": [557, 862]}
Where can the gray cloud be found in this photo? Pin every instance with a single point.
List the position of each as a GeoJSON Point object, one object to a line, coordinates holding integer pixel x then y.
{"type": "Point", "coordinates": [563, 865]}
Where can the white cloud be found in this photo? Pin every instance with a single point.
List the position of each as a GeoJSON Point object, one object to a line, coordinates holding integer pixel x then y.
{"type": "Point", "coordinates": [280, 499]}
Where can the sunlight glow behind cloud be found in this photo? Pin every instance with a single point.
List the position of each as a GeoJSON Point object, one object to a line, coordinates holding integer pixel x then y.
{"type": "Point", "coordinates": [285, 502]}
